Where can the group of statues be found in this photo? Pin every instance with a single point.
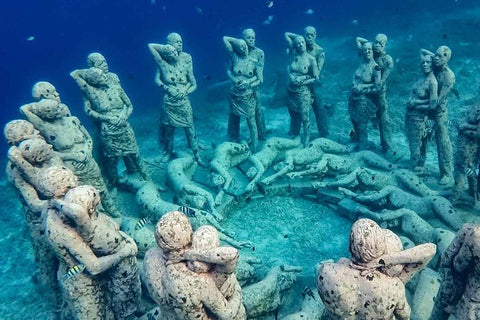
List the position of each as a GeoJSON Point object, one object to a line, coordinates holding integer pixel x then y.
{"type": "Point", "coordinates": [86, 248]}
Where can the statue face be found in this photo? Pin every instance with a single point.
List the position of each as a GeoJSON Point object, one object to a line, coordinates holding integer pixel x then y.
{"type": "Point", "coordinates": [441, 57]}
{"type": "Point", "coordinates": [249, 37]}
{"type": "Point", "coordinates": [242, 48]}
{"type": "Point", "coordinates": [380, 44]}
{"type": "Point", "coordinates": [171, 53]}
{"type": "Point", "coordinates": [300, 45]}
{"type": "Point", "coordinates": [176, 41]}
{"type": "Point", "coordinates": [426, 64]}
{"type": "Point", "coordinates": [367, 50]}
{"type": "Point", "coordinates": [45, 90]}
{"type": "Point", "coordinates": [310, 35]}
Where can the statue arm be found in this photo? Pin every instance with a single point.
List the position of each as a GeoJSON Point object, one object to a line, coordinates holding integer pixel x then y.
{"type": "Point", "coordinates": [126, 100]}
{"type": "Point", "coordinates": [228, 41]}
{"type": "Point", "coordinates": [257, 164]}
{"type": "Point", "coordinates": [26, 190]}
{"type": "Point", "coordinates": [446, 88]}
{"type": "Point", "coordinates": [28, 111]}
{"type": "Point", "coordinates": [223, 256]}
{"type": "Point", "coordinates": [289, 36]}
{"type": "Point", "coordinates": [158, 80]}
{"type": "Point", "coordinates": [24, 167]}
{"type": "Point", "coordinates": [388, 69]}
{"type": "Point", "coordinates": [402, 309]}
{"type": "Point", "coordinates": [433, 98]}
{"type": "Point", "coordinates": [321, 61]}
{"type": "Point", "coordinates": [87, 106]}
{"type": "Point", "coordinates": [360, 41]}
{"type": "Point", "coordinates": [75, 212]}
{"type": "Point", "coordinates": [191, 78]}
{"type": "Point", "coordinates": [156, 50]}
{"type": "Point", "coordinates": [218, 305]}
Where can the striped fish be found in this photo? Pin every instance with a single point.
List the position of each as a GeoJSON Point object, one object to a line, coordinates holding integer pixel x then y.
{"type": "Point", "coordinates": [471, 173]}
{"type": "Point", "coordinates": [142, 223]}
{"type": "Point", "coordinates": [452, 124]}
{"type": "Point", "coordinates": [430, 123]}
{"type": "Point", "coordinates": [73, 271]}
{"type": "Point", "coordinates": [189, 212]}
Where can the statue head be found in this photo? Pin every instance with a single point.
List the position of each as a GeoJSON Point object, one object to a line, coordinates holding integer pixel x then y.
{"type": "Point", "coordinates": [426, 60]}
{"type": "Point", "coordinates": [204, 238]}
{"type": "Point", "coordinates": [249, 36]}
{"type": "Point", "coordinates": [173, 232]}
{"type": "Point", "coordinates": [36, 150]}
{"type": "Point", "coordinates": [175, 40]}
{"type": "Point", "coordinates": [96, 77]}
{"type": "Point", "coordinates": [442, 56]}
{"type": "Point", "coordinates": [85, 196]}
{"type": "Point", "coordinates": [49, 109]}
{"type": "Point", "coordinates": [367, 241]}
{"type": "Point", "coordinates": [170, 53]}
{"type": "Point", "coordinates": [393, 245]}
{"type": "Point", "coordinates": [380, 44]}
{"type": "Point", "coordinates": [299, 44]}
{"type": "Point", "coordinates": [55, 181]}
{"type": "Point", "coordinates": [251, 172]}
{"type": "Point", "coordinates": [97, 60]}
{"type": "Point", "coordinates": [310, 34]}
{"type": "Point", "coordinates": [217, 179]}
{"type": "Point", "coordinates": [45, 90]}
{"type": "Point", "coordinates": [367, 50]}
{"type": "Point", "coordinates": [241, 48]}
{"type": "Point", "coordinates": [16, 131]}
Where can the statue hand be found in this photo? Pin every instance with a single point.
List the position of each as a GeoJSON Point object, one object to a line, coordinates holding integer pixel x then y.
{"type": "Point", "coordinates": [130, 248]}
{"type": "Point", "coordinates": [319, 184]}
{"type": "Point", "coordinates": [14, 154]}
{"type": "Point", "coordinates": [347, 192]}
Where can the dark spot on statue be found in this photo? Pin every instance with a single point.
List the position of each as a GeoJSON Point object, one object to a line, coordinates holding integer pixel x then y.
{"type": "Point", "coordinates": [53, 138]}
{"type": "Point", "coordinates": [370, 277]}
{"type": "Point", "coordinates": [145, 245]}
{"type": "Point", "coordinates": [285, 236]}
{"type": "Point", "coordinates": [250, 73]}
{"type": "Point", "coordinates": [116, 240]}
{"type": "Point", "coordinates": [296, 59]}
{"type": "Point", "coordinates": [444, 36]}
{"type": "Point", "coordinates": [184, 299]}
{"type": "Point", "coordinates": [124, 274]}
{"type": "Point", "coordinates": [366, 304]}
{"type": "Point", "coordinates": [172, 78]}
{"type": "Point", "coordinates": [253, 248]}
{"type": "Point", "coordinates": [207, 77]}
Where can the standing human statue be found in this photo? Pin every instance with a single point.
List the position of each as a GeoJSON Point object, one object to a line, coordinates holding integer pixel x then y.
{"type": "Point", "coordinates": [175, 77]}
{"type": "Point", "coordinates": [422, 101]}
{"type": "Point", "coordinates": [302, 74]}
{"type": "Point", "coordinates": [108, 105]}
{"type": "Point", "coordinates": [258, 56]}
{"type": "Point", "coordinates": [446, 80]}
{"type": "Point", "coordinates": [385, 62]}
{"type": "Point", "coordinates": [316, 51]}
{"type": "Point", "coordinates": [366, 85]}
{"type": "Point", "coordinates": [244, 74]}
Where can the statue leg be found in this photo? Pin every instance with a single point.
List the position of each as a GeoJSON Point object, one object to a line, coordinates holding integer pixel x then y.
{"type": "Point", "coordinates": [295, 122]}
{"type": "Point", "coordinates": [252, 126]}
{"type": "Point", "coordinates": [320, 114]}
{"type": "Point", "coordinates": [133, 163]}
{"type": "Point", "coordinates": [444, 146]}
{"type": "Point", "coordinates": [305, 138]}
{"type": "Point", "coordinates": [384, 123]}
{"type": "Point", "coordinates": [233, 127]}
{"type": "Point", "coordinates": [167, 133]}
{"type": "Point", "coordinates": [415, 129]}
{"type": "Point", "coordinates": [124, 288]}
{"type": "Point", "coordinates": [111, 170]}
{"type": "Point", "coordinates": [260, 118]}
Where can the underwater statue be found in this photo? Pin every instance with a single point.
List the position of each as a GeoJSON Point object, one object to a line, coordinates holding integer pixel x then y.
{"type": "Point", "coordinates": [257, 55]}
{"type": "Point", "coordinates": [101, 234]}
{"type": "Point", "coordinates": [310, 36]}
{"type": "Point", "coordinates": [244, 72]}
{"type": "Point", "coordinates": [365, 88]}
{"type": "Point", "coordinates": [69, 139]}
{"type": "Point", "coordinates": [175, 77]}
{"type": "Point", "coordinates": [460, 288]}
{"type": "Point", "coordinates": [302, 74]}
{"type": "Point", "coordinates": [32, 153]}
{"type": "Point", "coordinates": [84, 297]}
{"type": "Point", "coordinates": [422, 101]}
{"type": "Point", "coordinates": [371, 284]}
{"type": "Point", "coordinates": [385, 63]}
{"type": "Point", "coordinates": [272, 150]}
{"type": "Point", "coordinates": [227, 155]}
{"type": "Point", "coordinates": [368, 179]}
{"type": "Point", "coordinates": [445, 79]}
{"type": "Point", "coordinates": [466, 155]}
{"type": "Point", "coordinates": [108, 105]}
{"type": "Point", "coordinates": [187, 192]}
{"type": "Point", "coordinates": [394, 198]}
{"type": "Point", "coordinates": [180, 292]}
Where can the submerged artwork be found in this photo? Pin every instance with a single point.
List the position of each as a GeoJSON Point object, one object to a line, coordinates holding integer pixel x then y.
{"type": "Point", "coordinates": [327, 165]}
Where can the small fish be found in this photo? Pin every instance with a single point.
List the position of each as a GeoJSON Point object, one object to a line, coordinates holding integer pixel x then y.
{"type": "Point", "coordinates": [142, 223]}
{"type": "Point", "coordinates": [354, 22]}
{"type": "Point", "coordinates": [270, 4]}
{"type": "Point", "coordinates": [471, 172]}
{"type": "Point", "coordinates": [30, 38]}
{"type": "Point", "coordinates": [456, 93]}
{"type": "Point", "coordinates": [430, 123]}
{"type": "Point", "coordinates": [451, 124]}
{"type": "Point", "coordinates": [73, 271]}
{"type": "Point", "coordinates": [199, 10]}
{"type": "Point", "coordinates": [309, 11]}
{"type": "Point", "coordinates": [189, 212]}
{"type": "Point", "coordinates": [410, 37]}
{"type": "Point", "coordinates": [268, 20]}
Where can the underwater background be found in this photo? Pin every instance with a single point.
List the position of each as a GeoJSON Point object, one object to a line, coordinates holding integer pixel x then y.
{"type": "Point", "coordinates": [46, 40]}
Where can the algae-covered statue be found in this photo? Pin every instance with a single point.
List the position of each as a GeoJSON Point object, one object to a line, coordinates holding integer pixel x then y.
{"type": "Point", "coordinates": [459, 292]}
{"type": "Point", "coordinates": [445, 79]}
{"type": "Point", "coordinates": [69, 138]}
{"type": "Point", "coordinates": [466, 155]}
{"type": "Point", "coordinates": [258, 56]}
{"type": "Point", "coordinates": [180, 292]}
{"type": "Point", "coordinates": [371, 284]}
{"type": "Point", "coordinates": [108, 105]}
{"type": "Point", "coordinates": [244, 72]}
{"type": "Point", "coordinates": [365, 88]}
{"type": "Point", "coordinates": [104, 238]}
{"type": "Point", "coordinates": [302, 74]}
{"type": "Point", "coordinates": [82, 291]}
{"type": "Point", "coordinates": [422, 101]}
{"type": "Point", "coordinates": [187, 192]}
{"type": "Point", "coordinates": [175, 77]}
{"type": "Point", "coordinates": [385, 63]}
{"type": "Point", "coordinates": [394, 198]}
{"type": "Point", "coordinates": [227, 155]}
{"type": "Point", "coordinates": [316, 51]}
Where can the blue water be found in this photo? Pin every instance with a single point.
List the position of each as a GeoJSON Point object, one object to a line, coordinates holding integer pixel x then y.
{"type": "Point", "coordinates": [66, 31]}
